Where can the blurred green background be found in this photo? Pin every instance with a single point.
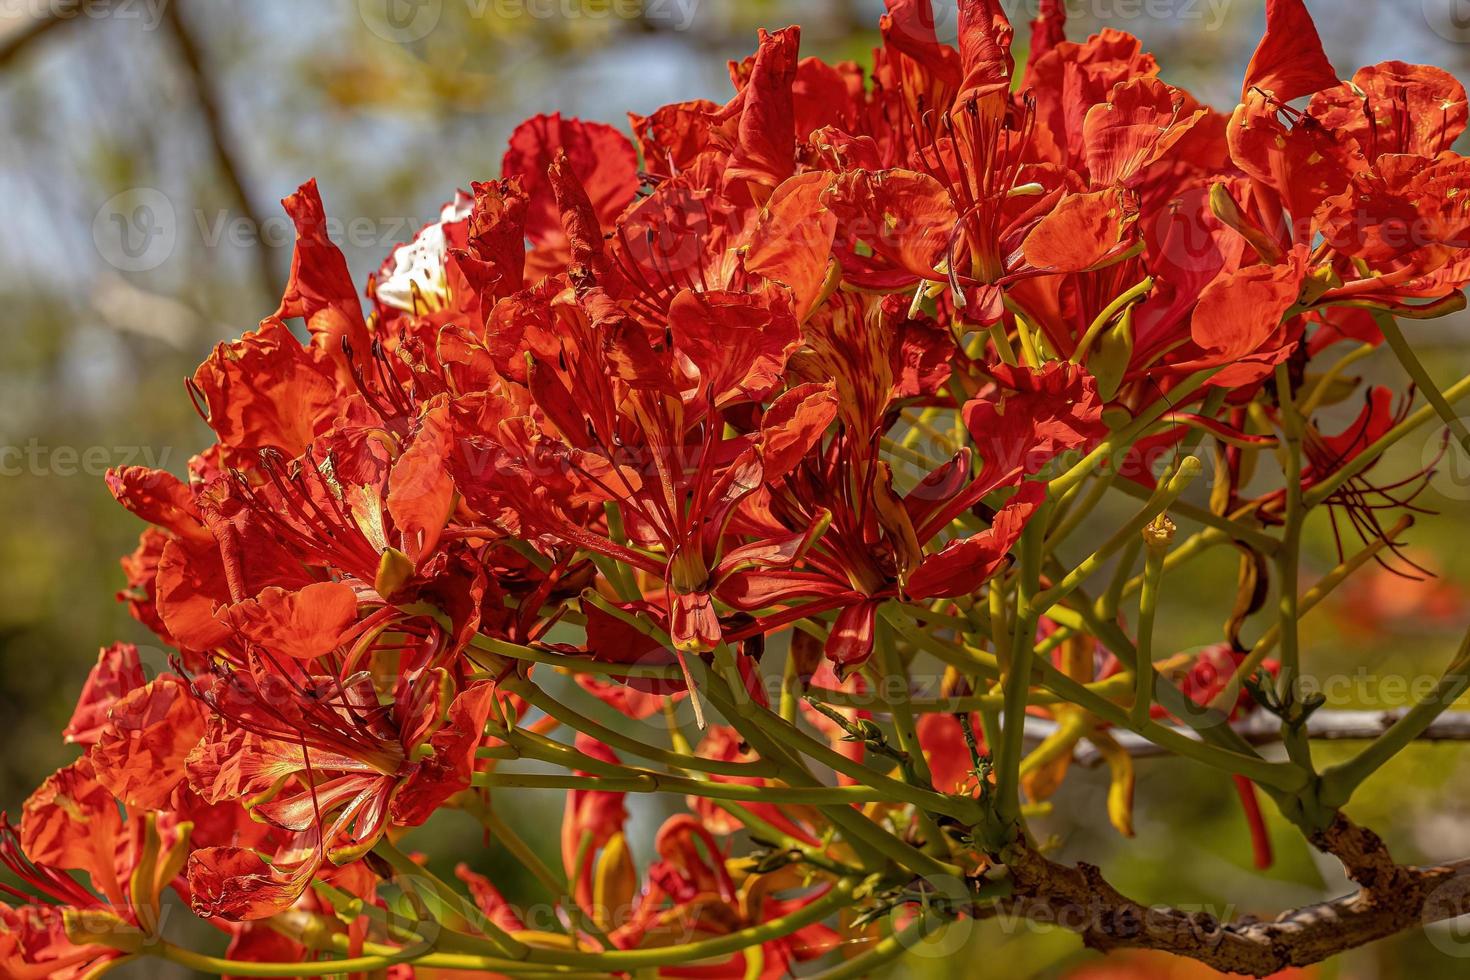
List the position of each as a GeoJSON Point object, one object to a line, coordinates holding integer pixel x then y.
{"type": "Point", "coordinates": [147, 143]}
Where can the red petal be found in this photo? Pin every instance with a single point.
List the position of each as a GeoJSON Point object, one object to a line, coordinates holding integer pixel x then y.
{"type": "Point", "coordinates": [1138, 125]}
{"type": "Point", "coordinates": [985, 47]}
{"type": "Point", "coordinates": [320, 288]}
{"type": "Point", "coordinates": [791, 241]}
{"type": "Point", "coordinates": [420, 490]}
{"type": "Point", "coordinates": [601, 158]}
{"type": "Point", "coordinates": [116, 673]}
{"type": "Point", "coordinates": [1032, 416]}
{"type": "Point", "coordinates": [1048, 29]}
{"type": "Point", "coordinates": [903, 216]}
{"type": "Point", "coordinates": [738, 341]}
{"type": "Point", "coordinates": [234, 883]}
{"type": "Point", "coordinates": [793, 424]}
{"type": "Point", "coordinates": [765, 150]}
{"type": "Point", "coordinates": [266, 390]}
{"type": "Point", "coordinates": [140, 753]}
{"type": "Point", "coordinates": [962, 566]}
{"type": "Point", "coordinates": [943, 743]}
{"type": "Point", "coordinates": [1289, 62]}
{"type": "Point", "coordinates": [1394, 107]}
{"type": "Point", "coordinates": [1083, 231]}
{"type": "Point", "coordinates": [1238, 312]}
{"type": "Point", "coordinates": [73, 822]}
{"type": "Point", "coordinates": [303, 624]}
{"type": "Point", "coordinates": [448, 770]}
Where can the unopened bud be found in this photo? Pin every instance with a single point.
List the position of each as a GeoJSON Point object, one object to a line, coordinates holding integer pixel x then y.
{"type": "Point", "coordinates": [394, 569]}
{"type": "Point", "coordinates": [1109, 362]}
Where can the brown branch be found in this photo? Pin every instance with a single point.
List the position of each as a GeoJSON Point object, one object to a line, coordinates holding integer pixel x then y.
{"type": "Point", "coordinates": [194, 60]}
{"type": "Point", "coordinates": [1392, 898]}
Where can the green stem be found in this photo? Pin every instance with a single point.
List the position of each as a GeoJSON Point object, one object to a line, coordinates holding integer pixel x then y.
{"type": "Point", "coordinates": [1288, 564]}
{"type": "Point", "coordinates": [1322, 387]}
{"type": "Point", "coordinates": [1003, 343]}
{"type": "Point", "coordinates": [345, 904]}
{"type": "Point", "coordinates": [1016, 684]}
{"type": "Point", "coordinates": [1261, 540]}
{"type": "Point", "coordinates": [884, 951]}
{"type": "Point", "coordinates": [894, 683]}
{"type": "Point", "coordinates": [1401, 348]}
{"type": "Point", "coordinates": [1194, 546]}
{"type": "Point", "coordinates": [527, 857]}
{"type": "Point", "coordinates": [770, 834]}
{"type": "Point", "coordinates": [1209, 726]}
{"type": "Point", "coordinates": [219, 966]}
{"type": "Point", "coordinates": [867, 838]}
{"type": "Point", "coordinates": [450, 902]}
{"type": "Point", "coordinates": [659, 783]}
{"type": "Point", "coordinates": [1079, 511]}
{"type": "Point", "coordinates": [1121, 440]}
{"type": "Point", "coordinates": [838, 896]}
{"type": "Point", "coordinates": [1148, 603]}
{"type": "Point", "coordinates": [576, 720]}
{"type": "Point", "coordinates": [790, 689]}
{"type": "Point", "coordinates": [1306, 604]}
{"type": "Point", "coordinates": [891, 789]}
{"type": "Point", "coordinates": [1118, 305]}
{"type": "Point", "coordinates": [1168, 492]}
{"type": "Point", "coordinates": [1277, 775]}
{"type": "Point", "coordinates": [961, 656]}
{"type": "Point", "coordinates": [1112, 598]}
{"type": "Point", "coordinates": [910, 455]}
{"type": "Point", "coordinates": [620, 960]}
{"type": "Point", "coordinates": [1339, 781]}
{"type": "Point", "coordinates": [577, 665]}
{"type": "Point", "coordinates": [1115, 686]}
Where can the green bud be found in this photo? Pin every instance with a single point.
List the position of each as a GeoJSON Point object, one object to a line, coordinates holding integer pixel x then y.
{"type": "Point", "coordinates": [1109, 362]}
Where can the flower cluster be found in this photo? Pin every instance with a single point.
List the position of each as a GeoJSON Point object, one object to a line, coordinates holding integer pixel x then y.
{"type": "Point", "coordinates": [830, 375]}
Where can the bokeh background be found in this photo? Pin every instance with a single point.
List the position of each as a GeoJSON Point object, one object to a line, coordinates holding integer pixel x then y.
{"type": "Point", "coordinates": [146, 144]}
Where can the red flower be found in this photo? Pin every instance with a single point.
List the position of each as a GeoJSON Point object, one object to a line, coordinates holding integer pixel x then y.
{"type": "Point", "coordinates": [798, 360]}
{"type": "Point", "coordinates": [97, 871]}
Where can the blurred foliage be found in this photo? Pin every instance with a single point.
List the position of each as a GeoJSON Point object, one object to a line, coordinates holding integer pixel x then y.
{"type": "Point", "coordinates": [94, 355]}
